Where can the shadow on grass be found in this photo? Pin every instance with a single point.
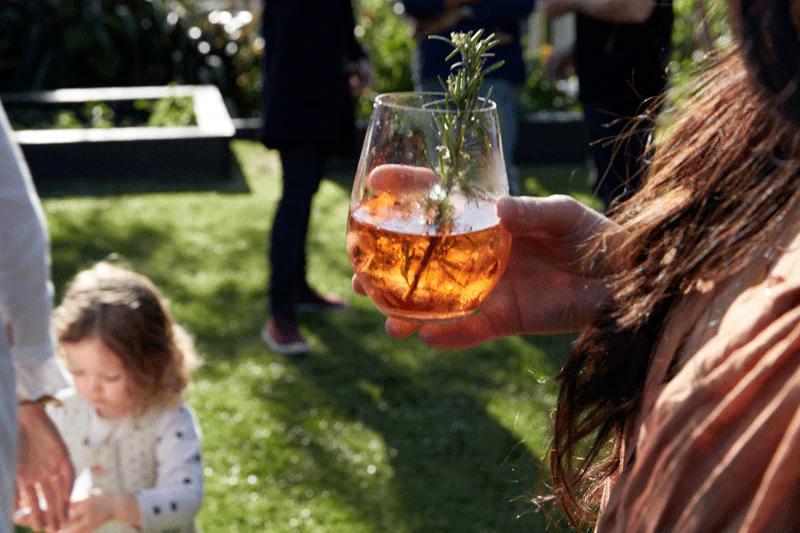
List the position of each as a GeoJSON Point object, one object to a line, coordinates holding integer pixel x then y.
{"type": "Point", "coordinates": [454, 463]}
{"type": "Point", "coordinates": [80, 246]}
{"type": "Point", "coordinates": [454, 466]}
{"type": "Point", "coordinates": [60, 188]}
{"type": "Point", "coordinates": [139, 247]}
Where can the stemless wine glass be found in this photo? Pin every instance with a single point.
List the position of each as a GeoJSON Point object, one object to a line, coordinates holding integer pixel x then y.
{"type": "Point", "coordinates": [423, 234]}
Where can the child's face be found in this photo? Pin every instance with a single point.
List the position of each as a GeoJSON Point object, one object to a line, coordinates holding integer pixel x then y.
{"type": "Point", "coordinates": [99, 376]}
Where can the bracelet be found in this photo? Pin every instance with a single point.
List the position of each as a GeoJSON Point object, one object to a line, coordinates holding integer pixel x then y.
{"type": "Point", "coordinates": [46, 399]}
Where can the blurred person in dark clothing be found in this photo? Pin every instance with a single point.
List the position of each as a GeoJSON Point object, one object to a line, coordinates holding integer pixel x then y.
{"type": "Point", "coordinates": [312, 66]}
{"type": "Point", "coordinates": [620, 53]}
{"type": "Point", "coordinates": [502, 17]}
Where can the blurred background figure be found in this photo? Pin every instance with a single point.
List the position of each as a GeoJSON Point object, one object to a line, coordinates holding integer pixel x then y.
{"type": "Point", "coordinates": [620, 55]}
{"type": "Point", "coordinates": [502, 17]}
{"type": "Point", "coordinates": [312, 67]}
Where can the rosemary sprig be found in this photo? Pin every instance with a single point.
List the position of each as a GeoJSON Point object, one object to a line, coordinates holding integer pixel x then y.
{"type": "Point", "coordinates": [456, 125]}
{"type": "Point", "coordinates": [462, 89]}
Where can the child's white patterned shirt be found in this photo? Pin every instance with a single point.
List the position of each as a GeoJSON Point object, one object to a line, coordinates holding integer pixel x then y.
{"type": "Point", "coordinates": [156, 457]}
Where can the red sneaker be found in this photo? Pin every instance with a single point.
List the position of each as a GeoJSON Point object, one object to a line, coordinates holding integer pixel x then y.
{"type": "Point", "coordinates": [282, 335]}
{"type": "Point", "coordinates": [311, 300]}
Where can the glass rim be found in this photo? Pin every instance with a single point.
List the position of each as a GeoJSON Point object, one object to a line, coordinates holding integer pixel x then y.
{"type": "Point", "coordinates": [385, 100]}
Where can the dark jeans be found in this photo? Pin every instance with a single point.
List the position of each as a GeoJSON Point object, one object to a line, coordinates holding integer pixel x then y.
{"type": "Point", "coordinates": [617, 147]}
{"type": "Point", "coordinates": [303, 167]}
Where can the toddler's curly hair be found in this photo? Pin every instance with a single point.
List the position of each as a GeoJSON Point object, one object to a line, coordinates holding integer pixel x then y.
{"type": "Point", "coordinates": [127, 313]}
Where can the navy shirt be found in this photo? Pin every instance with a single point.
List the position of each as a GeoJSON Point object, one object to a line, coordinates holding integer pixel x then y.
{"type": "Point", "coordinates": [306, 96]}
{"type": "Point", "coordinates": [495, 16]}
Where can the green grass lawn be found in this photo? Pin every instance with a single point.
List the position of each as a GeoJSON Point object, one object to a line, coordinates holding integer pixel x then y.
{"type": "Point", "coordinates": [365, 433]}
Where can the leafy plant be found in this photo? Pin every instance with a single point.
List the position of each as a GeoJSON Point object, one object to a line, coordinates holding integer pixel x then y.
{"type": "Point", "coordinates": [168, 111]}
{"type": "Point", "coordinates": [173, 111]}
{"type": "Point", "coordinates": [57, 43]}
{"type": "Point", "coordinates": [701, 27]}
{"type": "Point", "coordinates": [462, 89]}
{"type": "Point", "coordinates": [386, 36]}
{"type": "Point", "coordinates": [51, 44]}
{"type": "Point", "coordinates": [227, 37]}
{"type": "Point", "coordinates": [540, 93]}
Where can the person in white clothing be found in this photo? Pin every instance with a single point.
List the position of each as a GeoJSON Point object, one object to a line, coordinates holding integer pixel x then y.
{"type": "Point", "coordinates": [32, 455]}
{"type": "Point", "coordinates": [134, 443]}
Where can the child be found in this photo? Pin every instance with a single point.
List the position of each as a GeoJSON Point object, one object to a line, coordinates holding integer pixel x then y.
{"type": "Point", "coordinates": [124, 423]}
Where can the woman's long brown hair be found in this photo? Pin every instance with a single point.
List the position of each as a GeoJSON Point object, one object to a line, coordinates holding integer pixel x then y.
{"type": "Point", "coordinates": [724, 175]}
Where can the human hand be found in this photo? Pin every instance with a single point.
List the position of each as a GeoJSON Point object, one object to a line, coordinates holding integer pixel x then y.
{"type": "Point", "coordinates": [87, 515]}
{"type": "Point", "coordinates": [549, 286]}
{"type": "Point", "coordinates": [556, 8]}
{"type": "Point", "coordinates": [360, 76]}
{"type": "Point", "coordinates": [43, 469]}
{"type": "Point", "coordinates": [559, 63]}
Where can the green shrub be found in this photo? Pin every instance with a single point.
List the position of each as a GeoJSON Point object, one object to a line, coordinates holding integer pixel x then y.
{"type": "Point", "coordinates": [173, 111]}
{"type": "Point", "coordinates": [386, 37]}
{"type": "Point", "coordinates": [232, 59]}
{"type": "Point", "coordinates": [539, 92]}
{"type": "Point", "coordinates": [59, 43]}
{"type": "Point", "coordinates": [701, 26]}
{"type": "Point", "coordinates": [48, 44]}
{"type": "Point", "coordinates": [51, 44]}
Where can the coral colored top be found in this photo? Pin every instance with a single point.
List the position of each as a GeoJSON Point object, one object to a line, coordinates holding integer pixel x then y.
{"type": "Point", "coordinates": [716, 445]}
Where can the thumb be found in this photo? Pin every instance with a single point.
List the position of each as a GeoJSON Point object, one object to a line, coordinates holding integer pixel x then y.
{"type": "Point", "coordinates": [556, 215]}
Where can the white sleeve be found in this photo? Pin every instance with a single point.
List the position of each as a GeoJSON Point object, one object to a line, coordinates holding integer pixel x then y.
{"type": "Point", "coordinates": [25, 291]}
{"type": "Point", "coordinates": [176, 498]}
{"type": "Point", "coordinates": [34, 380]}
{"type": "Point", "coordinates": [58, 413]}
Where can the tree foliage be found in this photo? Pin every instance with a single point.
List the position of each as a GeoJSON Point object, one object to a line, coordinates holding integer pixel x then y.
{"type": "Point", "coordinates": [50, 44]}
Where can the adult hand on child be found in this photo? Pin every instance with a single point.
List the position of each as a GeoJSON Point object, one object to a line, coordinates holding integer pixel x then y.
{"type": "Point", "coordinates": [549, 286]}
{"type": "Point", "coordinates": [44, 470]}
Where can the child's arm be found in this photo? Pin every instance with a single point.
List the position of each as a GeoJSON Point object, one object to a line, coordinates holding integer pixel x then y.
{"type": "Point", "coordinates": [176, 497]}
